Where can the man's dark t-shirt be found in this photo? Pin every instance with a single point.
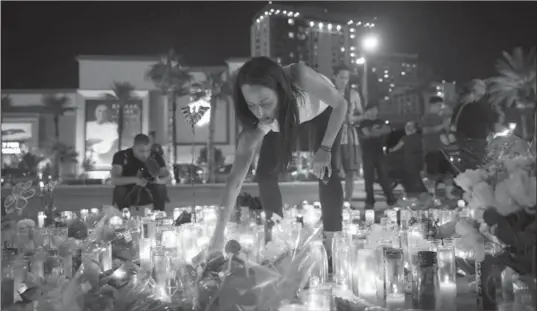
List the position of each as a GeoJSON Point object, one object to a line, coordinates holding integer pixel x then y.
{"type": "Point", "coordinates": [132, 166]}
{"type": "Point", "coordinates": [475, 120]}
{"type": "Point", "coordinates": [131, 195]}
{"type": "Point", "coordinates": [371, 143]}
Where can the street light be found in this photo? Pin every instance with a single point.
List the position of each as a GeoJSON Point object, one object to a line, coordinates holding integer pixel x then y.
{"type": "Point", "coordinates": [369, 44]}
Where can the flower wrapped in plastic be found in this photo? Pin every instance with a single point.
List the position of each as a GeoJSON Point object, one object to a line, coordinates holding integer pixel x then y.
{"type": "Point", "coordinates": [232, 281]}
{"type": "Point", "coordinates": [502, 205]}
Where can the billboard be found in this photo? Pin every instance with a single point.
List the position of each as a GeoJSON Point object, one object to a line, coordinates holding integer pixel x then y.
{"type": "Point", "coordinates": [102, 129]}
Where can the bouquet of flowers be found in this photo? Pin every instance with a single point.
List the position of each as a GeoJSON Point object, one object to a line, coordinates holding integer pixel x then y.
{"type": "Point", "coordinates": [502, 206]}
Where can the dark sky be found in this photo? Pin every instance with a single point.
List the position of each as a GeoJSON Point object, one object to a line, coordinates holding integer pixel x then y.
{"type": "Point", "coordinates": [459, 40]}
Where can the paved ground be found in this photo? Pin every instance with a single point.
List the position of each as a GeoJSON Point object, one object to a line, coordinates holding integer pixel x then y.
{"type": "Point", "coordinates": [78, 197]}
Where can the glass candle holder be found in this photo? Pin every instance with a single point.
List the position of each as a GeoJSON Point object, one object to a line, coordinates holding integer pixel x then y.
{"type": "Point", "coordinates": [406, 215]}
{"type": "Point", "coordinates": [319, 272]}
{"type": "Point", "coordinates": [149, 228]}
{"type": "Point", "coordinates": [106, 256]}
{"type": "Point", "coordinates": [161, 272]}
{"type": "Point", "coordinates": [394, 275]}
{"type": "Point", "coordinates": [447, 271]}
{"type": "Point", "coordinates": [57, 236]}
{"type": "Point", "coordinates": [426, 281]}
{"type": "Point", "coordinates": [341, 260]}
{"type": "Point", "coordinates": [318, 299]}
{"type": "Point", "coordinates": [369, 217]}
{"type": "Point", "coordinates": [53, 266]}
{"type": "Point", "coordinates": [188, 235]}
{"type": "Point", "coordinates": [145, 245]}
{"type": "Point", "coordinates": [365, 264]}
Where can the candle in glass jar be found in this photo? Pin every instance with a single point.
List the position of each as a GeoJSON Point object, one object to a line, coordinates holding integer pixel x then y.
{"type": "Point", "coordinates": [370, 216]}
{"type": "Point", "coordinates": [41, 219]}
{"type": "Point", "coordinates": [84, 214]}
{"type": "Point", "coordinates": [395, 301]}
{"type": "Point", "coordinates": [145, 253]}
{"type": "Point", "coordinates": [116, 222]}
{"type": "Point", "coordinates": [448, 296]}
{"type": "Point", "coordinates": [94, 211]}
{"type": "Point", "coordinates": [176, 213]}
{"type": "Point", "coordinates": [106, 257]}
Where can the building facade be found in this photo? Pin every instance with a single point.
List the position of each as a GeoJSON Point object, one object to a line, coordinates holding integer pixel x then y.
{"type": "Point", "coordinates": [90, 127]}
{"type": "Point", "coordinates": [320, 39]}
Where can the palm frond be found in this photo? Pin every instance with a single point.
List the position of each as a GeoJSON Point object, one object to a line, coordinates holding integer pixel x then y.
{"type": "Point", "coordinates": [516, 83]}
{"type": "Point", "coordinates": [169, 75]}
{"type": "Point", "coordinates": [122, 91]}
{"type": "Point", "coordinates": [56, 104]}
{"type": "Point", "coordinates": [7, 103]}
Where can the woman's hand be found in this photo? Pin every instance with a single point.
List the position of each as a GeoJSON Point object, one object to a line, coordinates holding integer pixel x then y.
{"type": "Point", "coordinates": [321, 163]}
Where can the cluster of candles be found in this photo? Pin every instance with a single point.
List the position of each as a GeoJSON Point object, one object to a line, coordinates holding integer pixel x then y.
{"type": "Point", "coordinates": [370, 260]}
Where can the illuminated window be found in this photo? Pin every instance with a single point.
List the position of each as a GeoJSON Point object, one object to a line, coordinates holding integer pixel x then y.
{"type": "Point", "coordinates": [291, 35]}
{"type": "Point", "coordinates": [291, 21]}
{"type": "Point", "coordinates": [352, 36]}
{"type": "Point", "coordinates": [312, 24]}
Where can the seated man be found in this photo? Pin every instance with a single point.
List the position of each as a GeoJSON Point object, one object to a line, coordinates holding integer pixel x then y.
{"type": "Point", "coordinates": [139, 177]}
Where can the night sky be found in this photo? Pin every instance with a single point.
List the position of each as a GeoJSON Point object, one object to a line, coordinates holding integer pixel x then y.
{"type": "Point", "coordinates": [40, 40]}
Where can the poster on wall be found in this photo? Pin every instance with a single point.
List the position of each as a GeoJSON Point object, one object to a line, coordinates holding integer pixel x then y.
{"type": "Point", "coordinates": [102, 130]}
{"type": "Point", "coordinates": [16, 131]}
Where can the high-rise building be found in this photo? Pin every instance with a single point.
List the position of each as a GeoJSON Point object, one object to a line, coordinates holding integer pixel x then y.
{"type": "Point", "coordinates": [319, 38]}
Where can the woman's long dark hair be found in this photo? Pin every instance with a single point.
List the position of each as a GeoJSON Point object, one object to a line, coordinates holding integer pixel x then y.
{"type": "Point", "coordinates": [265, 72]}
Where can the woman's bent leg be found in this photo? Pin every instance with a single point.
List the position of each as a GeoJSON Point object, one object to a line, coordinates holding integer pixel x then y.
{"type": "Point", "coordinates": [267, 175]}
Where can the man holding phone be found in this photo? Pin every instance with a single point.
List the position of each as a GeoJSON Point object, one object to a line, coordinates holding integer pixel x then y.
{"type": "Point", "coordinates": [139, 176]}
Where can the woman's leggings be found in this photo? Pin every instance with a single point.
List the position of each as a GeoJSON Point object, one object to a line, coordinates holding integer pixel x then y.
{"type": "Point", "coordinates": [330, 193]}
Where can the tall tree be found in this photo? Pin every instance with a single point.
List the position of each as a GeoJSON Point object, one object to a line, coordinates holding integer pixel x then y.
{"type": "Point", "coordinates": [57, 105]}
{"type": "Point", "coordinates": [516, 84]}
{"type": "Point", "coordinates": [122, 94]}
{"type": "Point", "coordinates": [174, 81]}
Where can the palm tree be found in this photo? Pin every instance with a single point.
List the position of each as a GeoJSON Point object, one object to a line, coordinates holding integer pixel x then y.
{"type": "Point", "coordinates": [122, 94]}
{"type": "Point", "coordinates": [56, 104]}
{"type": "Point", "coordinates": [516, 84]}
{"type": "Point", "coordinates": [173, 80]}
{"type": "Point", "coordinates": [219, 85]}
{"type": "Point", "coordinates": [7, 103]}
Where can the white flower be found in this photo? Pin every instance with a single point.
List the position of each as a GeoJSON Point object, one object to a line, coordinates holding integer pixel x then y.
{"type": "Point", "coordinates": [521, 188]}
{"type": "Point", "coordinates": [519, 163]}
{"type": "Point", "coordinates": [483, 191]}
{"type": "Point", "coordinates": [505, 204]}
{"type": "Point", "coordinates": [471, 239]}
{"type": "Point", "coordinates": [468, 178]}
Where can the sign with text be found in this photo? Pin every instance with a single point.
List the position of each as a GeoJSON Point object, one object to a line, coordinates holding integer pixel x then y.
{"type": "Point", "coordinates": [102, 129]}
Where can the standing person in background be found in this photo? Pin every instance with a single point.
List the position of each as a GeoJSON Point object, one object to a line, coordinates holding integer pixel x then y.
{"type": "Point", "coordinates": [474, 118]}
{"type": "Point", "coordinates": [372, 132]}
{"type": "Point", "coordinates": [434, 125]}
{"type": "Point", "coordinates": [413, 154]}
{"type": "Point", "coordinates": [350, 154]}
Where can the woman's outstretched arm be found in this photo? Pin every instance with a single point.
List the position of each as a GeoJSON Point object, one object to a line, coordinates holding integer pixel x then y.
{"type": "Point", "coordinates": [249, 139]}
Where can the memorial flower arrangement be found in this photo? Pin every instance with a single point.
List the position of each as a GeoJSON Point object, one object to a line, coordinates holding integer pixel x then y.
{"type": "Point", "coordinates": [502, 206]}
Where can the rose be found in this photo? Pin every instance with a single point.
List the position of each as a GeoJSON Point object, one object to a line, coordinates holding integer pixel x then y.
{"type": "Point", "coordinates": [521, 188]}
